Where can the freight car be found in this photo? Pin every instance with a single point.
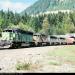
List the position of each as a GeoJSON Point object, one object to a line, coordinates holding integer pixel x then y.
{"type": "Point", "coordinates": [16, 38]}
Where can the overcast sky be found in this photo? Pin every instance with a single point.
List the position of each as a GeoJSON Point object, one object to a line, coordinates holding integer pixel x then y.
{"type": "Point", "coordinates": [15, 5]}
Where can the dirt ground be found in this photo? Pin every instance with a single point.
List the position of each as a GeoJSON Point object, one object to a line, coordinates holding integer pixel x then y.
{"type": "Point", "coordinates": [38, 55]}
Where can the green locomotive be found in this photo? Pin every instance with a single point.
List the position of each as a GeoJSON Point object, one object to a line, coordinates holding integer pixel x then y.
{"type": "Point", "coordinates": [16, 38]}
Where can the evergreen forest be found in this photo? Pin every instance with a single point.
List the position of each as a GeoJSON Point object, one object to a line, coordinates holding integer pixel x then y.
{"type": "Point", "coordinates": [50, 24]}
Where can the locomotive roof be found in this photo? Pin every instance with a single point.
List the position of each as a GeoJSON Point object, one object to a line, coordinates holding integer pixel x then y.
{"type": "Point", "coordinates": [38, 34]}
{"type": "Point", "coordinates": [53, 36]}
{"type": "Point", "coordinates": [18, 30]}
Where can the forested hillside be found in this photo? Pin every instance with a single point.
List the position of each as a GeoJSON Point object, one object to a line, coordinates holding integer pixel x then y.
{"type": "Point", "coordinates": [60, 23]}
{"type": "Point", "coordinates": [42, 6]}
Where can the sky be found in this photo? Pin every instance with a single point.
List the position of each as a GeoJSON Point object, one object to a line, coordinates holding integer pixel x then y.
{"type": "Point", "coordinates": [15, 5]}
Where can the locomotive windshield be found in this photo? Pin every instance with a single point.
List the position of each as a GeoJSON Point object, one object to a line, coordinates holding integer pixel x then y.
{"type": "Point", "coordinates": [7, 35]}
{"type": "Point", "coordinates": [8, 31]}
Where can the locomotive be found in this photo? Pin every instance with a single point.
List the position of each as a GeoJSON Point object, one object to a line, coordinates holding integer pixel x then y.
{"type": "Point", "coordinates": [16, 38]}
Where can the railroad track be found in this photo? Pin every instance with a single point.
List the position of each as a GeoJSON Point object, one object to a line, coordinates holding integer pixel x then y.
{"type": "Point", "coordinates": [6, 47]}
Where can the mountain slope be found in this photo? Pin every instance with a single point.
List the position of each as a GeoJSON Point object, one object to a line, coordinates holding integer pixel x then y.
{"type": "Point", "coordinates": [42, 6]}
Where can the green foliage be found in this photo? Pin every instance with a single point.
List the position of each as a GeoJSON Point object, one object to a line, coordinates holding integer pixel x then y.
{"type": "Point", "coordinates": [1, 20]}
{"type": "Point", "coordinates": [60, 23]}
{"type": "Point", "coordinates": [23, 66]}
{"type": "Point", "coordinates": [66, 53]}
{"type": "Point", "coordinates": [25, 27]}
{"type": "Point", "coordinates": [55, 63]}
{"type": "Point", "coordinates": [27, 65]}
{"type": "Point", "coordinates": [72, 17]}
{"type": "Point", "coordinates": [50, 5]}
{"type": "Point", "coordinates": [45, 25]}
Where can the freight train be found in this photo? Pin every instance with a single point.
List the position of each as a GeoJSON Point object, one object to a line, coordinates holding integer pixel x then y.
{"type": "Point", "coordinates": [16, 38]}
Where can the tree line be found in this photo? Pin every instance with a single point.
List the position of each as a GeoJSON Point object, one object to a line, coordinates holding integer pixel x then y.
{"type": "Point", "coordinates": [60, 23]}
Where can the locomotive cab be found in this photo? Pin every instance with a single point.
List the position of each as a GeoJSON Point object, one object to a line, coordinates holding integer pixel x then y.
{"type": "Point", "coordinates": [6, 38]}
{"type": "Point", "coordinates": [8, 35]}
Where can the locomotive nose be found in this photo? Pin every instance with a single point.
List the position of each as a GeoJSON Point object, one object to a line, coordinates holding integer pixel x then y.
{"type": "Point", "coordinates": [1, 43]}
{"type": "Point", "coordinates": [4, 42]}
